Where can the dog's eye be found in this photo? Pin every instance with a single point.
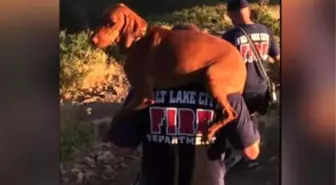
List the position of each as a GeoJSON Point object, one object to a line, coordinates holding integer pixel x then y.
{"type": "Point", "coordinates": [109, 24]}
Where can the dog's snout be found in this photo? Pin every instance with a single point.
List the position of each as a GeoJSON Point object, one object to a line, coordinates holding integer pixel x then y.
{"type": "Point", "coordinates": [94, 40]}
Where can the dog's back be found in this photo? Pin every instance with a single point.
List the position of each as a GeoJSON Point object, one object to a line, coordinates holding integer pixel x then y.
{"type": "Point", "coordinates": [181, 52]}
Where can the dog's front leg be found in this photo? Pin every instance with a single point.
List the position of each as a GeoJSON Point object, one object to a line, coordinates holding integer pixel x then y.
{"type": "Point", "coordinates": [142, 87]}
{"type": "Point", "coordinates": [143, 90]}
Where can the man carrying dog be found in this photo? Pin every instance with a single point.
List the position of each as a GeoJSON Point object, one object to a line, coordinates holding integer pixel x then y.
{"type": "Point", "coordinates": [177, 127]}
{"type": "Point", "coordinates": [185, 160]}
{"type": "Point", "coordinates": [173, 153]}
{"type": "Point", "coordinates": [256, 88]}
{"type": "Point", "coordinates": [170, 132]}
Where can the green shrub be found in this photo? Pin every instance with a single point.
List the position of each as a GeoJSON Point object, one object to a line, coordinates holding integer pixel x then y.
{"type": "Point", "coordinates": [213, 18]}
{"type": "Point", "coordinates": [150, 7]}
{"type": "Point", "coordinates": [263, 17]}
{"type": "Point", "coordinates": [76, 56]}
{"type": "Point", "coordinates": [75, 135]}
{"type": "Point", "coordinates": [209, 17]}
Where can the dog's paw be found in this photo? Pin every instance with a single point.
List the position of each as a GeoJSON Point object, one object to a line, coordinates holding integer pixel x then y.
{"type": "Point", "coordinates": [148, 102]}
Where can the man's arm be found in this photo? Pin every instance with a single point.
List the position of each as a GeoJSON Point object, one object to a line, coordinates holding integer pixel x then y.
{"type": "Point", "coordinates": [273, 49]}
{"type": "Point", "coordinates": [242, 133]}
{"type": "Point", "coordinates": [126, 135]}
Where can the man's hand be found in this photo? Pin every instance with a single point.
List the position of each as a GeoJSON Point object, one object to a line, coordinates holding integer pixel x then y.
{"type": "Point", "coordinates": [277, 59]}
{"type": "Point", "coordinates": [274, 72]}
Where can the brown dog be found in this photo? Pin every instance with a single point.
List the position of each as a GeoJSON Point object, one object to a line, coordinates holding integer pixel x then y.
{"type": "Point", "coordinates": [163, 58]}
{"type": "Point", "coordinates": [186, 26]}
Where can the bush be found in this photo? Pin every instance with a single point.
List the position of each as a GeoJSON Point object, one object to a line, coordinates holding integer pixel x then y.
{"type": "Point", "coordinates": [75, 135]}
{"type": "Point", "coordinates": [214, 18]}
{"type": "Point", "coordinates": [76, 57]}
{"type": "Point", "coordinates": [209, 17]}
{"type": "Point", "coordinates": [263, 16]}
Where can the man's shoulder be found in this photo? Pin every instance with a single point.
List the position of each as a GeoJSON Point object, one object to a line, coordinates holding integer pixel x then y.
{"type": "Point", "coordinates": [257, 27]}
{"type": "Point", "coordinates": [249, 28]}
{"type": "Point", "coordinates": [230, 31]}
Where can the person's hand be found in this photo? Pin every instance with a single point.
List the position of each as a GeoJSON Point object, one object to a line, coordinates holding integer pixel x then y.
{"type": "Point", "coordinates": [274, 72]}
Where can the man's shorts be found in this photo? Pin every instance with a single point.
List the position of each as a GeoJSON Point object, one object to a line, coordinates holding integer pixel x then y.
{"type": "Point", "coordinates": [257, 103]}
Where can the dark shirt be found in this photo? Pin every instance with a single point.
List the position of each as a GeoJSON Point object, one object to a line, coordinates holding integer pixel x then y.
{"type": "Point", "coordinates": [263, 38]}
{"type": "Point", "coordinates": [170, 132]}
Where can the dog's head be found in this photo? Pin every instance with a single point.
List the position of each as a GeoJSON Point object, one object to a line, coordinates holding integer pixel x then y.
{"type": "Point", "coordinates": [119, 25]}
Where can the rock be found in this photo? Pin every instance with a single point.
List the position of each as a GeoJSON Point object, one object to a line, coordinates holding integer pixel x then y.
{"type": "Point", "coordinates": [105, 157]}
{"type": "Point", "coordinates": [65, 180]}
{"type": "Point", "coordinates": [101, 146]}
{"type": "Point", "coordinates": [75, 170]}
{"type": "Point", "coordinates": [62, 171]}
{"type": "Point", "coordinates": [106, 119]}
{"type": "Point", "coordinates": [80, 177]}
{"type": "Point", "coordinates": [89, 161]}
{"type": "Point", "coordinates": [108, 169]}
{"type": "Point", "coordinates": [89, 174]}
{"type": "Point", "coordinates": [79, 166]}
{"type": "Point", "coordinates": [123, 165]}
{"type": "Point", "coordinates": [110, 176]}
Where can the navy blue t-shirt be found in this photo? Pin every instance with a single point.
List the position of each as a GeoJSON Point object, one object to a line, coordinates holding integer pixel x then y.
{"type": "Point", "coordinates": [170, 132]}
{"type": "Point", "coordinates": [263, 38]}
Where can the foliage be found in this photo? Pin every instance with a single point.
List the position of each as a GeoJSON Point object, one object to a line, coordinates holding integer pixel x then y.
{"type": "Point", "coordinates": [75, 135]}
{"type": "Point", "coordinates": [209, 17]}
{"type": "Point", "coordinates": [76, 57]}
{"type": "Point", "coordinates": [263, 17]}
{"type": "Point", "coordinates": [214, 18]}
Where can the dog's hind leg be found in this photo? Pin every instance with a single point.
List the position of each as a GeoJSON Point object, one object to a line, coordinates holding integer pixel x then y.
{"type": "Point", "coordinates": [222, 79]}
{"type": "Point", "coordinates": [220, 94]}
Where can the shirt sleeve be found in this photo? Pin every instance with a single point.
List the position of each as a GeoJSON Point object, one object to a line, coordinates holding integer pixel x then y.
{"type": "Point", "coordinates": [241, 132]}
{"type": "Point", "coordinates": [273, 50]}
{"type": "Point", "coordinates": [228, 36]}
{"type": "Point", "coordinates": [127, 133]}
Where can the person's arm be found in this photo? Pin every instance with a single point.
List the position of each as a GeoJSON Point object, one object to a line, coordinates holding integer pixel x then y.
{"type": "Point", "coordinates": [242, 133]}
{"type": "Point", "coordinates": [273, 51]}
{"type": "Point", "coordinates": [127, 134]}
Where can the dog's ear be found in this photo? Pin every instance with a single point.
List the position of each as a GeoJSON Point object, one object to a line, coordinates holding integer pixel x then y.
{"type": "Point", "coordinates": [135, 27]}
